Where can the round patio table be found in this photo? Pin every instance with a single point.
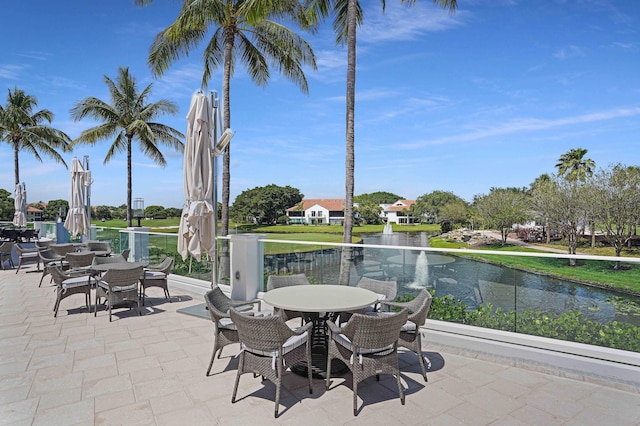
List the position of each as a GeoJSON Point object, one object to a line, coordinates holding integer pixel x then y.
{"type": "Point", "coordinates": [320, 298]}
{"type": "Point", "coordinates": [320, 303]}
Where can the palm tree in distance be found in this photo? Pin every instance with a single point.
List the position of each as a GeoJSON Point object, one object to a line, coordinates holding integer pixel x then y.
{"type": "Point", "coordinates": [127, 119]}
{"type": "Point", "coordinates": [23, 129]}
{"type": "Point", "coordinates": [243, 31]}
{"type": "Point", "coordinates": [574, 167]}
{"type": "Point", "coordinates": [347, 16]}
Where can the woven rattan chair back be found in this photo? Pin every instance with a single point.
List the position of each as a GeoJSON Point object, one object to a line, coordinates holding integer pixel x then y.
{"type": "Point", "coordinates": [373, 348]}
{"type": "Point", "coordinates": [120, 286]}
{"type": "Point", "coordinates": [80, 259]}
{"type": "Point", "coordinates": [410, 336]}
{"type": "Point", "coordinates": [263, 340]}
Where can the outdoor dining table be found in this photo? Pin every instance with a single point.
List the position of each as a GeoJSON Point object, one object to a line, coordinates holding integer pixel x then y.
{"type": "Point", "coordinates": [320, 303]}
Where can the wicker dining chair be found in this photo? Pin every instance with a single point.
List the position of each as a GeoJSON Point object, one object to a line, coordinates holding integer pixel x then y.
{"type": "Point", "coordinates": [269, 347]}
{"type": "Point", "coordinates": [101, 260]}
{"type": "Point", "coordinates": [68, 285]}
{"type": "Point", "coordinates": [94, 245]}
{"type": "Point", "coordinates": [368, 345]}
{"type": "Point", "coordinates": [26, 255]}
{"type": "Point", "coordinates": [225, 331]}
{"type": "Point", "coordinates": [62, 249]}
{"type": "Point", "coordinates": [156, 276]}
{"type": "Point", "coordinates": [42, 244]}
{"type": "Point", "coordinates": [80, 262]}
{"type": "Point", "coordinates": [386, 291]}
{"type": "Point", "coordinates": [410, 336]}
{"type": "Point", "coordinates": [6, 253]}
{"type": "Point", "coordinates": [49, 259]}
{"type": "Point", "coordinates": [119, 287]}
{"type": "Point", "coordinates": [278, 281]}
{"type": "Point", "coordinates": [125, 254]}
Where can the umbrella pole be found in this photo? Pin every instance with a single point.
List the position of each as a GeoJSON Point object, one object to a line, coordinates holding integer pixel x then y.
{"type": "Point", "coordinates": [214, 176]}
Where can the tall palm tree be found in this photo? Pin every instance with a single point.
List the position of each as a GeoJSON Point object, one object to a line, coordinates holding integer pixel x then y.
{"type": "Point", "coordinates": [23, 129]}
{"type": "Point", "coordinates": [574, 167]}
{"type": "Point", "coordinates": [244, 31]}
{"type": "Point", "coordinates": [127, 119]}
{"type": "Point", "coordinates": [347, 16]}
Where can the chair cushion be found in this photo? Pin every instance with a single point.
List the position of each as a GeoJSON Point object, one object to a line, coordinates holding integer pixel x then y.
{"type": "Point", "coordinates": [292, 343]}
{"type": "Point", "coordinates": [105, 286]}
{"type": "Point", "coordinates": [344, 341]}
{"type": "Point", "coordinates": [75, 282]}
{"type": "Point", "coordinates": [154, 275]}
{"type": "Point", "coordinates": [227, 324]}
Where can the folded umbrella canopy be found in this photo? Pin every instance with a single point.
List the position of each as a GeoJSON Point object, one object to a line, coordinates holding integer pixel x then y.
{"type": "Point", "coordinates": [77, 222]}
{"type": "Point", "coordinates": [20, 205]}
{"type": "Point", "coordinates": [196, 233]}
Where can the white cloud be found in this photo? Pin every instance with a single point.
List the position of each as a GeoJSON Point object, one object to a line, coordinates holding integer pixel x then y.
{"type": "Point", "coordinates": [569, 52]}
{"type": "Point", "coordinates": [399, 22]}
{"type": "Point", "coordinates": [11, 71]}
{"type": "Point", "coordinates": [526, 125]}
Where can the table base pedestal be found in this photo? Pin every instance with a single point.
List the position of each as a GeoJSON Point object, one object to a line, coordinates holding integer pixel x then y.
{"type": "Point", "coordinates": [319, 349]}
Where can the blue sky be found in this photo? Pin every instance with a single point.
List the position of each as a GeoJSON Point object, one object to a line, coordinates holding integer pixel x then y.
{"type": "Point", "coordinates": [490, 96]}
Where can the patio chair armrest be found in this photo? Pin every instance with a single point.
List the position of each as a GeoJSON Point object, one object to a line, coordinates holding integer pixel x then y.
{"type": "Point", "coordinates": [236, 303]}
{"type": "Point", "coordinates": [400, 305]}
{"type": "Point", "coordinates": [303, 329]}
{"type": "Point", "coordinates": [333, 328]}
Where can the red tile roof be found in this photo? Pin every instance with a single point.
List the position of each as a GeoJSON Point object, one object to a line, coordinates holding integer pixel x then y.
{"type": "Point", "coordinates": [405, 204]}
{"type": "Point", "coordinates": [332, 204]}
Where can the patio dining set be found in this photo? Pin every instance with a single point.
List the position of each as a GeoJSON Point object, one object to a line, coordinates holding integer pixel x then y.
{"type": "Point", "coordinates": [91, 266]}
{"type": "Point", "coordinates": [319, 330]}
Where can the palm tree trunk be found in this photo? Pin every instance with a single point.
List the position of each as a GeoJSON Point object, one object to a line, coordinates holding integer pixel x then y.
{"type": "Point", "coordinates": [16, 163]}
{"type": "Point", "coordinates": [345, 263]}
{"type": "Point", "coordinates": [224, 265]}
{"type": "Point", "coordinates": [129, 219]}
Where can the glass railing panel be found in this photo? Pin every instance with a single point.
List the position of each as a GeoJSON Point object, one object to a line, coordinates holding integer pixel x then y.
{"type": "Point", "coordinates": [594, 302]}
{"type": "Point", "coordinates": [538, 294]}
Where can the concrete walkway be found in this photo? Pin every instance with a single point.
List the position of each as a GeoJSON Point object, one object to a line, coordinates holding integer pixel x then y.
{"type": "Point", "coordinates": [78, 369]}
{"type": "Point", "coordinates": [518, 242]}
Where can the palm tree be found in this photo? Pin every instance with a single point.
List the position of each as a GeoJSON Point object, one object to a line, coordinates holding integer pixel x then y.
{"type": "Point", "coordinates": [127, 119]}
{"type": "Point", "coordinates": [574, 167]}
{"type": "Point", "coordinates": [244, 31]}
{"type": "Point", "coordinates": [24, 130]}
{"type": "Point", "coordinates": [347, 16]}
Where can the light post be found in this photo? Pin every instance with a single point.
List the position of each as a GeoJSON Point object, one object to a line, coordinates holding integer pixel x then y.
{"type": "Point", "coordinates": [219, 145]}
{"type": "Point", "coordinates": [138, 209]}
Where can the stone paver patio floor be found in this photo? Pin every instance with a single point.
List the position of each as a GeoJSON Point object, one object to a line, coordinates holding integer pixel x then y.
{"type": "Point", "coordinates": [78, 369]}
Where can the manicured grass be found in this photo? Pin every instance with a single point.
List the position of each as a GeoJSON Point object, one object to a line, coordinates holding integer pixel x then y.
{"type": "Point", "coordinates": [284, 248]}
{"type": "Point", "coordinates": [600, 273]}
{"type": "Point", "coordinates": [153, 223]}
{"type": "Point", "coordinates": [338, 229]}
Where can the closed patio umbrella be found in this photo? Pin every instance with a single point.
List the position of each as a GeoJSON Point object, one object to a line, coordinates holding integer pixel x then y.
{"type": "Point", "coordinates": [76, 221]}
{"type": "Point", "coordinates": [196, 234]}
{"type": "Point", "coordinates": [20, 204]}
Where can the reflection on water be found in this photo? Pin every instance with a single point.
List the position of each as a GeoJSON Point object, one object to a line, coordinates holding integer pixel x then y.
{"type": "Point", "coordinates": [478, 283]}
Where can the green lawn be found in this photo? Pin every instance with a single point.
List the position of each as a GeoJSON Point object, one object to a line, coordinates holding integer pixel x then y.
{"type": "Point", "coordinates": [171, 226]}
{"type": "Point", "coordinates": [337, 229]}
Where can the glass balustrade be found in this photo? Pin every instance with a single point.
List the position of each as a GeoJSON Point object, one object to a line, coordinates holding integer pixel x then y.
{"type": "Point", "coordinates": [530, 293]}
